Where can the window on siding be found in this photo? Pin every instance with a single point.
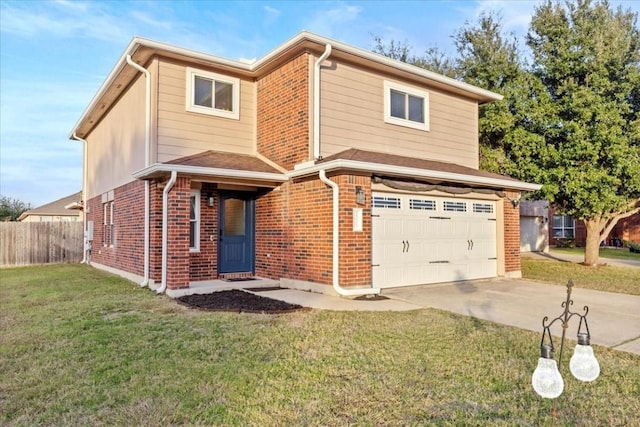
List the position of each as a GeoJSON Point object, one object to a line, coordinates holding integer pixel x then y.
{"type": "Point", "coordinates": [214, 94]}
{"type": "Point", "coordinates": [406, 106]}
{"type": "Point", "coordinates": [563, 227]}
{"type": "Point", "coordinates": [194, 221]}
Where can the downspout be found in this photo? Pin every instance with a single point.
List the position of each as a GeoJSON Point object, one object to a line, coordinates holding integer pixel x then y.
{"type": "Point", "coordinates": [85, 247]}
{"type": "Point", "coordinates": [147, 147]}
{"type": "Point", "coordinates": [165, 229]}
{"type": "Point", "coordinates": [316, 102]}
{"type": "Point", "coordinates": [336, 244]}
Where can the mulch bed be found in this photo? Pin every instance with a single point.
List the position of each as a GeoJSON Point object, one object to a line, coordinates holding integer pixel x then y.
{"type": "Point", "coordinates": [237, 301]}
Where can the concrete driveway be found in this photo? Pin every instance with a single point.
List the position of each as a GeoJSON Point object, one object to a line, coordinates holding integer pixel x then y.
{"type": "Point", "coordinates": [614, 319]}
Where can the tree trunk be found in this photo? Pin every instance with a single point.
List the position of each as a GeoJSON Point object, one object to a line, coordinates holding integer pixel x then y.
{"type": "Point", "coordinates": [592, 245]}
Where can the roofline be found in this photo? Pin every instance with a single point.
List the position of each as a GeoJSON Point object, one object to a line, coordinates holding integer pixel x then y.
{"type": "Point", "coordinates": [201, 170]}
{"type": "Point", "coordinates": [409, 172]}
{"type": "Point", "coordinates": [138, 42]}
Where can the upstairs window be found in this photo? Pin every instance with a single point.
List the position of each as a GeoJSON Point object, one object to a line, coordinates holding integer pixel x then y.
{"type": "Point", "coordinates": [406, 106]}
{"type": "Point", "coordinates": [214, 94]}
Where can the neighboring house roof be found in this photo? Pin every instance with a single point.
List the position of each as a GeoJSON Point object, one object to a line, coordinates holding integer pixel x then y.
{"type": "Point", "coordinates": [143, 50]}
{"type": "Point", "coordinates": [67, 206]}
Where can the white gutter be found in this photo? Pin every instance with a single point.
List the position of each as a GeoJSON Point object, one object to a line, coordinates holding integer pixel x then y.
{"type": "Point", "coordinates": [336, 244]}
{"type": "Point", "coordinates": [412, 172]}
{"type": "Point", "coordinates": [147, 148]}
{"type": "Point", "coordinates": [218, 172]}
{"type": "Point", "coordinates": [85, 247]}
{"type": "Point", "coordinates": [316, 102]}
{"type": "Point", "coordinates": [165, 229]}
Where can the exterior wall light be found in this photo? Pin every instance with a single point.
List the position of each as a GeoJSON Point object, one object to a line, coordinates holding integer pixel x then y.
{"type": "Point", "coordinates": [211, 200]}
{"type": "Point", "coordinates": [546, 380]}
{"type": "Point", "coordinates": [360, 196]}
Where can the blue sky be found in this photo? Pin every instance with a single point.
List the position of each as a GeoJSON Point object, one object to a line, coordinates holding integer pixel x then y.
{"type": "Point", "coordinates": [54, 55]}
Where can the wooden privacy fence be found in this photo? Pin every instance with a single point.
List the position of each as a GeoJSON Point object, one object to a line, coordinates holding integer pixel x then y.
{"type": "Point", "coordinates": [25, 243]}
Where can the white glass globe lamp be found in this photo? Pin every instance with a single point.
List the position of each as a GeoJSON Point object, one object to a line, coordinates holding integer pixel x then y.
{"type": "Point", "coordinates": [546, 379]}
{"type": "Point", "coordinates": [583, 364]}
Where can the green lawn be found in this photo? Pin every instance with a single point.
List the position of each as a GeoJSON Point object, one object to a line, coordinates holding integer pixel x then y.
{"type": "Point", "coordinates": [608, 278]}
{"type": "Point", "coordinates": [80, 347]}
{"type": "Point", "coordinates": [621, 253]}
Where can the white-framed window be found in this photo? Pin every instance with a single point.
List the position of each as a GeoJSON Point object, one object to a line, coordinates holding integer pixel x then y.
{"type": "Point", "coordinates": [385, 202]}
{"type": "Point", "coordinates": [406, 106]}
{"type": "Point", "coordinates": [449, 206]}
{"type": "Point", "coordinates": [564, 227]}
{"type": "Point", "coordinates": [194, 221]}
{"type": "Point", "coordinates": [214, 94]}
{"type": "Point", "coordinates": [112, 226]}
{"type": "Point", "coordinates": [108, 225]}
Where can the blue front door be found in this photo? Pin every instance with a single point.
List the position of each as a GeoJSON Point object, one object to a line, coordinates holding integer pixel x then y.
{"type": "Point", "coordinates": [237, 224]}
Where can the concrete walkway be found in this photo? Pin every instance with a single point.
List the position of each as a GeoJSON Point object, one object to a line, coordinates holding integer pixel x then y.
{"type": "Point", "coordinates": [614, 319]}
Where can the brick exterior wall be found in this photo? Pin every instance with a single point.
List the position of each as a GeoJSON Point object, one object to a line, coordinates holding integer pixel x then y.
{"type": "Point", "coordinates": [128, 251]}
{"type": "Point", "coordinates": [511, 235]}
{"type": "Point", "coordinates": [203, 265]}
{"type": "Point", "coordinates": [178, 257]}
{"type": "Point", "coordinates": [283, 113]}
{"type": "Point", "coordinates": [294, 232]}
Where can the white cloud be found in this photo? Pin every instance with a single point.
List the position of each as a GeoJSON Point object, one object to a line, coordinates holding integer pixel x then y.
{"type": "Point", "coordinates": [272, 11]}
{"type": "Point", "coordinates": [328, 22]}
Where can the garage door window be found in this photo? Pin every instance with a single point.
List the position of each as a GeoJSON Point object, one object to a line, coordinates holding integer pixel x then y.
{"type": "Point", "coordinates": [386, 202]}
{"type": "Point", "coordinates": [421, 204]}
{"type": "Point", "coordinates": [455, 206]}
{"type": "Point", "coordinates": [483, 208]}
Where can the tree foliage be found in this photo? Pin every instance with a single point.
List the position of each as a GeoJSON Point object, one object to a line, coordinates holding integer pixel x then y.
{"type": "Point", "coordinates": [11, 208]}
{"type": "Point", "coordinates": [571, 118]}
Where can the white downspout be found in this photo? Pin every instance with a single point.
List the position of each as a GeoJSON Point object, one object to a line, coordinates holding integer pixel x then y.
{"type": "Point", "coordinates": [165, 229]}
{"type": "Point", "coordinates": [336, 244]}
{"type": "Point", "coordinates": [316, 102]}
{"type": "Point", "coordinates": [85, 247]}
{"type": "Point", "coordinates": [147, 147]}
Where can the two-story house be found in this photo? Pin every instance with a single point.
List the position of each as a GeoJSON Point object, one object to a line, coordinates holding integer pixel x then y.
{"type": "Point", "coordinates": [321, 165]}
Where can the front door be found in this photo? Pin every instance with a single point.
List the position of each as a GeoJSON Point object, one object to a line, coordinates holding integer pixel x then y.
{"type": "Point", "coordinates": [235, 249]}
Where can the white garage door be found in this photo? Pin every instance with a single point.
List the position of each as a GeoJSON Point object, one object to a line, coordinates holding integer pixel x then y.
{"type": "Point", "coordinates": [532, 234]}
{"type": "Point", "coordinates": [420, 239]}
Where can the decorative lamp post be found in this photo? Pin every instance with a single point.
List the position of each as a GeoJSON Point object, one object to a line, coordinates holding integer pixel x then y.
{"type": "Point", "coordinates": [546, 379]}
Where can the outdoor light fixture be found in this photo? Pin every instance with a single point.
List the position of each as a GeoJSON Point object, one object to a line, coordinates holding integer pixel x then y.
{"type": "Point", "coordinates": [210, 200]}
{"type": "Point", "coordinates": [546, 379]}
{"type": "Point", "coordinates": [360, 197]}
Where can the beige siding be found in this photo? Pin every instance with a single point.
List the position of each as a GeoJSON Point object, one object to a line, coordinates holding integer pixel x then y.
{"type": "Point", "coordinates": [182, 133]}
{"type": "Point", "coordinates": [352, 116]}
{"type": "Point", "coordinates": [116, 145]}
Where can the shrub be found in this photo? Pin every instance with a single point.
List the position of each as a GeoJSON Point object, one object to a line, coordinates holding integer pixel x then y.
{"type": "Point", "coordinates": [634, 247]}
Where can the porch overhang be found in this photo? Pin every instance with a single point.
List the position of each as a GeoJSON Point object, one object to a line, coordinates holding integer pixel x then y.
{"type": "Point", "coordinates": [397, 166]}
{"type": "Point", "coordinates": [159, 171]}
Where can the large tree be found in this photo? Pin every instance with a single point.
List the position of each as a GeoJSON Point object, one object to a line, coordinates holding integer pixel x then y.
{"type": "Point", "coordinates": [587, 57]}
{"type": "Point", "coordinates": [11, 208]}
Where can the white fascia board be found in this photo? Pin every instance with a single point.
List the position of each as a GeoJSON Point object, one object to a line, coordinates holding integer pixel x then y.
{"type": "Point", "coordinates": [199, 170]}
{"type": "Point", "coordinates": [414, 173]}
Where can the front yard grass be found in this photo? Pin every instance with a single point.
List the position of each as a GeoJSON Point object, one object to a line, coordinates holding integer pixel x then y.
{"type": "Point", "coordinates": [81, 347]}
{"type": "Point", "coordinates": [615, 253]}
{"type": "Point", "coordinates": [609, 278]}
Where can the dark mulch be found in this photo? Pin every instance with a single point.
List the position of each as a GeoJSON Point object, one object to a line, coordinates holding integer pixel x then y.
{"type": "Point", "coordinates": [237, 301]}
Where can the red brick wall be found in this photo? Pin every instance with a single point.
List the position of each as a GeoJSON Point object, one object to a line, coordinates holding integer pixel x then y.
{"type": "Point", "coordinates": [511, 235]}
{"type": "Point", "coordinates": [128, 252]}
{"type": "Point", "coordinates": [294, 232]}
{"type": "Point", "coordinates": [272, 238]}
{"type": "Point", "coordinates": [283, 113]}
{"type": "Point", "coordinates": [355, 246]}
{"type": "Point", "coordinates": [204, 263]}
{"type": "Point", "coordinates": [178, 234]}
